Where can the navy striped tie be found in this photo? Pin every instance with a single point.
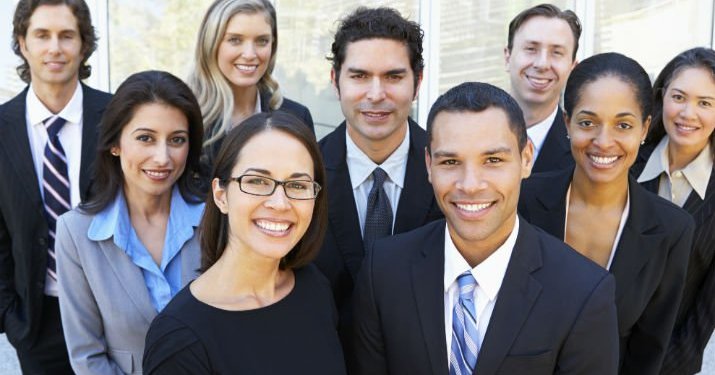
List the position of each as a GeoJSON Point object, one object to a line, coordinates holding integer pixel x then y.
{"type": "Point", "coordinates": [55, 184]}
{"type": "Point", "coordinates": [464, 350]}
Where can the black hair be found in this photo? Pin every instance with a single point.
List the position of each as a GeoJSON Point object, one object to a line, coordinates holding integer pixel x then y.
{"type": "Point", "coordinates": [140, 89]}
{"type": "Point", "coordinates": [477, 97]}
{"type": "Point", "coordinates": [378, 23]}
{"type": "Point", "coordinates": [699, 57]}
{"type": "Point", "coordinates": [609, 64]}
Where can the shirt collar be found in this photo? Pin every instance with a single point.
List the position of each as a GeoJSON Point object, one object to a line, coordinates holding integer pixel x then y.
{"type": "Point", "coordinates": [697, 172]}
{"type": "Point", "coordinates": [489, 273]}
{"type": "Point", "coordinates": [361, 166]}
{"type": "Point", "coordinates": [537, 132]}
{"type": "Point", "coordinates": [657, 162]}
{"type": "Point", "coordinates": [113, 220]}
{"type": "Point", "coordinates": [37, 112]}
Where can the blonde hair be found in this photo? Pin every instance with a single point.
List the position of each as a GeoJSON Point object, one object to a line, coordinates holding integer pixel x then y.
{"type": "Point", "coordinates": [212, 89]}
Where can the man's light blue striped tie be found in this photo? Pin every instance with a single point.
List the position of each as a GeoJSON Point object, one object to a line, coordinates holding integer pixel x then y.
{"type": "Point", "coordinates": [465, 336]}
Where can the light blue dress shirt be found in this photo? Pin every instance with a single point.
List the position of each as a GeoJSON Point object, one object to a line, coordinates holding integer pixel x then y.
{"type": "Point", "coordinates": [162, 281]}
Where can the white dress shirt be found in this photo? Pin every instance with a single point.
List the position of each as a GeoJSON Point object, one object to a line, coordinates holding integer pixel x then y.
{"type": "Point", "coordinates": [360, 168]}
{"type": "Point", "coordinates": [489, 275]}
{"type": "Point", "coordinates": [537, 132]}
{"type": "Point", "coordinates": [677, 186]}
{"type": "Point", "coordinates": [71, 139]}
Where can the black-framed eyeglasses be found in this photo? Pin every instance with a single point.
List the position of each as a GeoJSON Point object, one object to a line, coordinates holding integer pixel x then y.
{"type": "Point", "coordinates": [264, 186]}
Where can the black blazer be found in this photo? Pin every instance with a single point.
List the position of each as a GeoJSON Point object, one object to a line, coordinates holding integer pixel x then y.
{"type": "Point", "coordinates": [555, 153]}
{"type": "Point", "coordinates": [554, 313]}
{"type": "Point", "coordinates": [696, 317]}
{"type": "Point", "coordinates": [649, 265]}
{"type": "Point", "coordinates": [23, 229]}
{"type": "Point", "coordinates": [209, 153]}
{"type": "Point", "coordinates": [342, 252]}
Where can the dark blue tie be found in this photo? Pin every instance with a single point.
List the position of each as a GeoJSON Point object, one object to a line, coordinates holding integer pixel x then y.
{"type": "Point", "coordinates": [55, 184]}
{"type": "Point", "coordinates": [378, 219]}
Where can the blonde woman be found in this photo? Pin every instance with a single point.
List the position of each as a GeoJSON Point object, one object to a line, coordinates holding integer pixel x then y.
{"type": "Point", "coordinates": [235, 56]}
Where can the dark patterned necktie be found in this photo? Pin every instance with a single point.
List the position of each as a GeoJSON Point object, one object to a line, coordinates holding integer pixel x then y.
{"type": "Point", "coordinates": [378, 220]}
{"type": "Point", "coordinates": [55, 184]}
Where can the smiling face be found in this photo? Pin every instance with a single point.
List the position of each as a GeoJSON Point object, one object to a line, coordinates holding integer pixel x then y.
{"type": "Point", "coordinates": [606, 129]}
{"type": "Point", "coordinates": [689, 109]}
{"type": "Point", "coordinates": [52, 46]}
{"type": "Point", "coordinates": [540, 62]}
{"type": "Point", "coordinates": [267, 226]}
{"type": "Point", "coordinates": [245, 50]}
{"type": "Point", "coordinates": [376, 90]}
{"type": "Point", "coordinates": [476, 169]}
{"type": "Point", "coordinates": [152, 150]}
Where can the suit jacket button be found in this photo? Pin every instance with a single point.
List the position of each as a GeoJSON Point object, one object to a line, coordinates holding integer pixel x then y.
{"type": "Point", "coordinates": [42, 241]}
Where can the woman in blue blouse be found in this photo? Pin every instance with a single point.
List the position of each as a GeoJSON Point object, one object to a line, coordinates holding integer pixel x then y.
{"type": "Point", "coordinates": [122, 255]}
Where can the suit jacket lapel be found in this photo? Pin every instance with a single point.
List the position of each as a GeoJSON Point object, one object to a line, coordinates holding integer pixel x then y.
{"type": "Point", "coordinates": [551, 211]}
{"type": "Point", "coordinates": [91, 116]}
{"type": "Point", "coordinates": [343, 214]}
{"type": "Point", "coordinates": [517, 295]}
{"type": "Point", "coordinates": [428, 279]}
{"type": "Point", "coordinates": [416, 197]}
{"type": "Point", "coordinates": [131, 278]}
{"type": "Point", "coordinates": [15, 142]}
{"type": "Point", "coordinates": [556, 151]}
{"type": "Point", "coordinates": [702, 209]}
{"type": "Point", "coordinates": [640, 234]}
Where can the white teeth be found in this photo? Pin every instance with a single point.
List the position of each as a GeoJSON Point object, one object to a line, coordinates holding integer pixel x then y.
{"type": "Point", "coordinates": [603, 159]}
{"type": "Point", "coordinates": [473, 207]}
{"type": "Point", "coordinates": [373, 114]}
{"type": "Point", "coordinates": [685, 127]}
{"type": "Point", "coordinates": [246, 68]}
{"type": "Point", "coordinates": [157, 174]}
{"type": "Point", "coordinates": [272, 226]}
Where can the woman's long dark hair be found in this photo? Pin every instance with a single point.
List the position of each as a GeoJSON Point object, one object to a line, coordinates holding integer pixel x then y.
{"type": "Point", "coordinates": [214, 226]}
{"type": "Point", "coordinates": [140, 89]}
{"type": "Point", "coordinates": [699, 57]}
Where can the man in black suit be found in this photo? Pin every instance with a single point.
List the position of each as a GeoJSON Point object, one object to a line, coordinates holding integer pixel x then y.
{"type": "Point", "coordinates": [52, 121]}
{"type": "Point", "coordinates": [540, 53]}
{"type": "Point", "coordinates": [377, 69]}
{"type": "Point", "coordinates": [485, 292]}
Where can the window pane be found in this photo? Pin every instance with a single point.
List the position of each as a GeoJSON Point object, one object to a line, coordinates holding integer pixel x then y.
{"type": "Point", "coordinates": [652, 31]}
{"type": "Point", "coordinates": [472, 40]}
{"type": "Point", "coordinates": [305, 34]}
{"type": "Point", "coordinates": [156, 35]}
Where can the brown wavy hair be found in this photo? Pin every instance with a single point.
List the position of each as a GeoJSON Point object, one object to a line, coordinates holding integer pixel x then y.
{"type": "Point", "coordinates": [21, 22]}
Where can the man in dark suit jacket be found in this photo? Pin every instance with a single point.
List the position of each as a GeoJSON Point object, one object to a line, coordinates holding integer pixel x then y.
{"type": "Point", "coordinates": [533, 305]}
{"type": "Point", "coordinates": [540, 53]}
{"type": "Point", "coordinates": [54, 41]}
{"type": "Point", "coordinates": [377, 69]}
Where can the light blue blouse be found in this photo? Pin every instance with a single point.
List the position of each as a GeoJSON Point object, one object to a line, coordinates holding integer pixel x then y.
{"type": "Point", "coordinates": [162, 281]}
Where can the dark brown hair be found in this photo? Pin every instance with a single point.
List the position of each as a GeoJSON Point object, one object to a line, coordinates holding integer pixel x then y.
{"type": "Point", "coordinates": [140, 89]}
{"type": "Point", "coordinates": [214, 226]}
{"type": "Point", "coordinates": [548, 11]}
{"type": "Point", "coordinates": [378, 23]}
{"type": "Point", "coordinates": [21, 22]}
{"type": "Point", "coordinates": [703, 58]}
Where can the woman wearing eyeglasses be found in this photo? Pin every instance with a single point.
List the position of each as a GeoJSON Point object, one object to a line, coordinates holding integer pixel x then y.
{"type": "Point", "coordinates": [258, 307]}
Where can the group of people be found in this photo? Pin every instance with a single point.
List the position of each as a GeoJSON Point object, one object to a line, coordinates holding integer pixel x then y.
{"type": "Point", "coordinates": [199, 227]}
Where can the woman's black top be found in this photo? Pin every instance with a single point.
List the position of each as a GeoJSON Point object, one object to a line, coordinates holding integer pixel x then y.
{"type": "Point", "coordinates": [296, 335]}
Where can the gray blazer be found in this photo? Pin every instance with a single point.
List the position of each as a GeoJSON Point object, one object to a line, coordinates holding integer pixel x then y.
{"type": "Point", "coordinates": [105, 305]}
